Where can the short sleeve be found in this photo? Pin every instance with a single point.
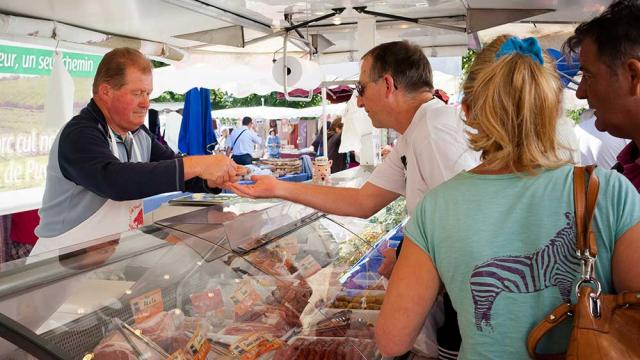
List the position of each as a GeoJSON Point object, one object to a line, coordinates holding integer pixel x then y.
{"type": "Point", "coordinates": [416, 228]}
{"type": "Point", "coordinates": [256, 139]}
{"type": "Point", "coordinates": [623, 208]}
{"type": "Point", "coordinates": [445, 147]}
{"type": "Point", "coordinates": [390, 175]}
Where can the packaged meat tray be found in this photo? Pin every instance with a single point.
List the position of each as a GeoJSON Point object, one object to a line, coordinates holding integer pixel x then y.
{"type": "Point", "coordinates": [342, 323]}
{"type": "Point", "coordinates": [316, 348]}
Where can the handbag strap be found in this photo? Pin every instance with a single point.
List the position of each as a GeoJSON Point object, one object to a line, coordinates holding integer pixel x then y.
{"type": "Point", "coordinates": [236, 140]}
{"type": "Point", "coordinates": [557, 316]}
{"type": "Point", "coordinates": [585, 204]}
{"type": "Point", "coordinates": [584, 200]}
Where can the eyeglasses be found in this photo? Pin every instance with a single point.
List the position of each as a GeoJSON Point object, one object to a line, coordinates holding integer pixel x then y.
{"type": "Point", "coordinates": [360, 87]}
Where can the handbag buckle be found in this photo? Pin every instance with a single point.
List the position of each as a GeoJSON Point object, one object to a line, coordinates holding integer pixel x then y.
{"type": "Point", "coordinates": [588, 265]}
{"type": "Point", "coordinates": [595, 305]}
{"type": "Point", "coordinates": [593, 281]}
{"type": "Point", "coordinates": [594, 297]}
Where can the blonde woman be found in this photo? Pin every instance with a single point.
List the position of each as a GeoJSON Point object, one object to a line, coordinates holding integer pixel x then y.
{"type": "Point", "coordinates": [500, 238]}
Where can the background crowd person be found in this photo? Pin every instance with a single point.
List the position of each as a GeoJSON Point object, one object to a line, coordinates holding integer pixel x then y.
{"type": "Point", "coordinates": [609, 47]}
{"type": "Point", "coordinates": [242, 142]}
{"type": "Point", "coordinates": [597, 147]}
{"type": "Point", "coordinates": [513, 260]}
{"type": "Point", "coordinates": [104, 160]}
{"type": "Point", "coordinates": [395, 88]}
{"type": "Point", "coordinates": [334, 137]}
{"type": "Point", "coordinates": [317, 142]}
{"type": "Point", "coordinates": [273, 144]}
{"type": "Point", "coordinates": [222, 139]}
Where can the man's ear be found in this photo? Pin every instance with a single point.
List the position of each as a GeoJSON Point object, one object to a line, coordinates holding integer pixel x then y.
{"type": "Point", "coordinates": [390, 84]}
{"type": "Point", "coordinates": [633, 67]}
{"type": "Point", "coordinates": [104, 90]}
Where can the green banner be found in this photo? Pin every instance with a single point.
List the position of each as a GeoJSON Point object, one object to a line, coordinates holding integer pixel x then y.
{"type": "Point", "coordinates": [28, 61]}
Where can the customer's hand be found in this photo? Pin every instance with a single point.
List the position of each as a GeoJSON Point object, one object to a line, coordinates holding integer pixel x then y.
{"type": "Point", "coordinates": [265, 186]}
{"type": "Point", "coordinates": [389, 261]}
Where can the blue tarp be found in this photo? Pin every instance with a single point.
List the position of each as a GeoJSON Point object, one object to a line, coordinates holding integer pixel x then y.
{"type": "Point", "coordinates": [566, 69]}
{"type": "Point", "coordinates": [196, 130]}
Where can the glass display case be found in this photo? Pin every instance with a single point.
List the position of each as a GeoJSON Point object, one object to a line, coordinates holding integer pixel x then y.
{"type": "Point", "coordinates": [243, 279]}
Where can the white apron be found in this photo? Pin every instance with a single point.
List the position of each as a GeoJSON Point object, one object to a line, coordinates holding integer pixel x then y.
{"type": "Point", "coordinates": [112, 218]}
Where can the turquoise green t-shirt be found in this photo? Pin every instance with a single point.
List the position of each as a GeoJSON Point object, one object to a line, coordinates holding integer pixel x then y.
{"type": "Point", "coordinates": [504, 247]}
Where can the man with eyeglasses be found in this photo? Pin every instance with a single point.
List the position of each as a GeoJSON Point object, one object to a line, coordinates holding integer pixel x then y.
{"type": "Point", "coordinates": [396, 90]}
{"type": "Point", "coordinates": [609, 47]}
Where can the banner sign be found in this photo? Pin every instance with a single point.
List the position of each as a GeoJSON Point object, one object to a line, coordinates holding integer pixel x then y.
{"type": "Point", "coordinates": [29, 61]}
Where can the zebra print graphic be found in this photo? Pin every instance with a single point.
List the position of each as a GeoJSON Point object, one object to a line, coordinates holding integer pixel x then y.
{"type": "Point", "coordinates": [556, 264]}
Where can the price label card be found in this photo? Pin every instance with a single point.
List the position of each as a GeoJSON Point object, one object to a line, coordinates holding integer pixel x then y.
{"type": "Point", "coordinates": [308, 266]}
{"type": "Point", "coordinates": [146, 305]}
{"type": "Point", "coordinates": [252, 346]}
{"type": "Point", "coordinates": [289, 244]}
{"type": "Point", "coordinates": [197, 348]}
{"type": "Point", "coordinates": [246, 290]}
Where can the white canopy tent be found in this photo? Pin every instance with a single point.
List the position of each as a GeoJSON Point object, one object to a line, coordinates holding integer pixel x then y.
{"type": "Point", "coordinates": [274, 113]}
{"type": "Point", "coordinates": [239, 39]}
{"type": "Point", "coordinates": [260, 112]}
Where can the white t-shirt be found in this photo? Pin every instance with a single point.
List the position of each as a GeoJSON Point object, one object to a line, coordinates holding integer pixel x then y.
{"type": "Point", "coordinates": [432, 150]}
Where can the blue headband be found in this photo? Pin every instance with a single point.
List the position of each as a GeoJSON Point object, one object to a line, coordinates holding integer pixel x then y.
{"type": "Point", "coordinates": [529, 47]}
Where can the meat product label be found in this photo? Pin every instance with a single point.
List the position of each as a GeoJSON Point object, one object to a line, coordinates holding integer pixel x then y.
{"type": "Point", "coordinates": [146, 305]}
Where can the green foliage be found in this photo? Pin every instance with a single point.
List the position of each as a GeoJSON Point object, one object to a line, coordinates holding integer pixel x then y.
{"type": "Point", "coordinates": [223, 100]}
{"type": "Point", "coordinates": [574, 114]}
{"type": "Point", "coordinates": [169, 96]}
{"type": "Point", "coordinates": [158, 64]}
{"type": "Point", "coordinates": [467, 60]}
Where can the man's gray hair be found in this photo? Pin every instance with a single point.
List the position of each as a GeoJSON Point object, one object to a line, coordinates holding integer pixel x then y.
{"type": "Point", "coordinates": [405, 62]}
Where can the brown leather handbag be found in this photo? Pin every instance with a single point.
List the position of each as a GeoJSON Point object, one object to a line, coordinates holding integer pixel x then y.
{"type": "Point", "coordinates": [604, 326]}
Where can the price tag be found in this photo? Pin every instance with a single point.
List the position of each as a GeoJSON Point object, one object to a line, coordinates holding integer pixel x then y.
{"type": "Point", "coordinates": [247, 291]}
{"type": "Point", "coordinates": [245, 297]}
{"type": "Point", "coordinates": [197, 348]}
{"type": "Point", "coordinates": [146, 305]}
{"type": "Point", "coordinates": [246, 343]}
{"type": "Point", "coordinates": [289, 244]}
{"type": "Point", "coordinates": [308, 266]}
{"type": "Point", "coordinates": [252, 346]}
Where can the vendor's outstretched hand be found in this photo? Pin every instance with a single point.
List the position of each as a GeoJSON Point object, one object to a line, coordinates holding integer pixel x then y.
{"type": "Point", "coordinates": [265, 186]}
{"type": "Point", "coordinates": [219, 170]}
{"type": "Point", "coordinates": [241, 170]}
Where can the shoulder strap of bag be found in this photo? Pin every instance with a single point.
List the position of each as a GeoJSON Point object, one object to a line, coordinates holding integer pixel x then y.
{"type": "Point", "coordinates": [236, 140]}
{"type": "Point", "coordinates": [585, 203]}
{"type": "Point", "coordinates": [584, 200]}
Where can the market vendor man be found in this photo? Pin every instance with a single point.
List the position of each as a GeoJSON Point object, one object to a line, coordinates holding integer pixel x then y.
{"type": "Point", "coordinates": [396, 90]}
{"type": "Point", "coordinates": [104, 161]}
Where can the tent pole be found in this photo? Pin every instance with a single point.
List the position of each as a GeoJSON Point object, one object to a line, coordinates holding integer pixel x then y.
{"type": "Point", "coordinates": [324, 121]}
